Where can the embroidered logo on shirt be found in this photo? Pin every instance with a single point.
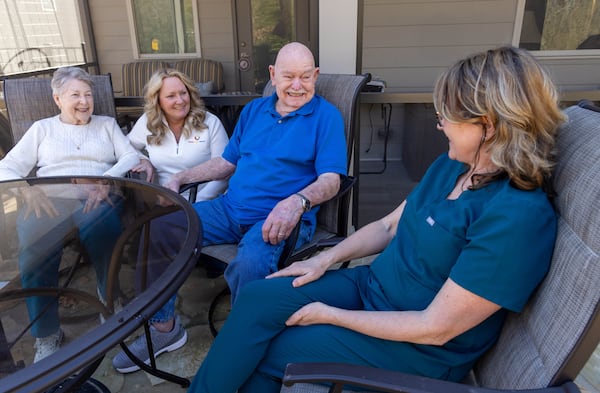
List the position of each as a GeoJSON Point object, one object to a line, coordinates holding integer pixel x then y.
{"type": "Point", "coordinates": [195, 139]}
{"type": "Point", "coordinates": [430, 221]}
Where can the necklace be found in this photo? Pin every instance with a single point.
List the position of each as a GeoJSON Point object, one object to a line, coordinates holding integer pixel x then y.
{"type": "Point", "coordinates": [75, 130]}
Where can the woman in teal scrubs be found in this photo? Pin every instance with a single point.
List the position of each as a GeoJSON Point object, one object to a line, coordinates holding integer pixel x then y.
{"type": "Point", "coordinates": [471, 242]}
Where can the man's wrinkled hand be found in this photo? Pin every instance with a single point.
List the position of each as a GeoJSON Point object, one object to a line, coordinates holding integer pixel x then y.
{"type": "Point", "coordinates": [281, 221]}
{"type": "Point", "coordinates": [173, 184]}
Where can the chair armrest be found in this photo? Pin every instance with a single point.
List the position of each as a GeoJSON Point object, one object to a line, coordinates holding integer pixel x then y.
{"type": "Point", "coordinates": [389, 381]}
{"type": "Point", "coordinates": [136, 175]}
{"type": "Point", "coordinates": [193, 187]}
{"type": "Point", "coordinates": [346, 185]}
{"type": "Point", "coordinates": [587, 104]}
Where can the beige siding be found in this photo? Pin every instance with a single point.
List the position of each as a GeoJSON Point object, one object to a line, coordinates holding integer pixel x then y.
{"type": "Point", "coordinates": [408, 43]}
{"type": "Point", "coordinates": [114, 45]}
{"type": "Point", "coordinates": [216, 36]}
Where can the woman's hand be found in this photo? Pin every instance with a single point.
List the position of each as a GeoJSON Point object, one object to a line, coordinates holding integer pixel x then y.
{"type": "Point", "coordinates": [97, 193]}
{"type": "Point", "coordinates": [36, 201]}
{"type": "Point", "coordinates": [311, 314]}
{"type": "Point", "coordinates": [144, 166]}
{"type": "Point", "coordinates": [305, 271]}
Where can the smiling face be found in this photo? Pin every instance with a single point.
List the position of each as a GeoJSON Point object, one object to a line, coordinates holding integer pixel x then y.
{"type": "Point", "coordinates": [174, 100]}
{"type": "Point", "coordinates": [294, 76]}
{"type": "Point", "coordinates": [76, 102]}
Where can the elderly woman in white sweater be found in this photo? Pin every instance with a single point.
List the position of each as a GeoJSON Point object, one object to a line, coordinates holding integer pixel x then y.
{"type": "Point", "coordinates": [73, 143]}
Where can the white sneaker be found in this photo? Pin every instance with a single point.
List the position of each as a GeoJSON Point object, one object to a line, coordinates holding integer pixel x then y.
{"type": "Point", "coordinates": [46, 346]}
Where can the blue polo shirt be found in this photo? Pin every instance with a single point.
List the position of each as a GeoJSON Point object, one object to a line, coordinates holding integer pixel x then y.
{"type": "Point", "coordinates": [277, 156]}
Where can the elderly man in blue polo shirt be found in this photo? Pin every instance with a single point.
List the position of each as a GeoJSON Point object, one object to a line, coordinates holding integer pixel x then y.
{"type": "Point", "coordinates": [286, 155]}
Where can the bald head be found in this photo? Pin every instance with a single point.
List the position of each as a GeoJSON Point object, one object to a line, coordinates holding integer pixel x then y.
{"type": "Point", "coordinates": [294, 76]}
{"type": "Point", "coordinates": [295, 52]}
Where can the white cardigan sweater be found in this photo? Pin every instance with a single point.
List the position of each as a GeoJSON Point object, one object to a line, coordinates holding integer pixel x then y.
{"type": "Point", "coordinates": [54, 148]}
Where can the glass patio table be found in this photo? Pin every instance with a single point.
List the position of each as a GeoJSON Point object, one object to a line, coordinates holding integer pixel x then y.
{"type": "Point", "coordinates": [72, 256]}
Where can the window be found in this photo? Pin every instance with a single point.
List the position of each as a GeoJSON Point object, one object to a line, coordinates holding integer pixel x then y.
{"type": "Point", "coordinates": [164, 28]}
{"type": "Point", "coordinates": [39, 35]}
{"type": "Point", "coordinates": [560, 25]}
{"type": "Point", "coordinates": [47, 5]}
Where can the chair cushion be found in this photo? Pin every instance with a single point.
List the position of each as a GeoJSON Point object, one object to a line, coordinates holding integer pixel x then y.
{"type": "Point", "coordinates": [203, 70]}
{"type": "Point", "coordinates": [221, 252]}
{"type": "Point", "coordinates": [135, 75]}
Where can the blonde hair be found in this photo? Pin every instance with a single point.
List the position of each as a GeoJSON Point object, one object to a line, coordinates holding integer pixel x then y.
{"type": "Point", "coordinates": [511, 90]}
{"type": "Point", "coordinates": [156, 118]}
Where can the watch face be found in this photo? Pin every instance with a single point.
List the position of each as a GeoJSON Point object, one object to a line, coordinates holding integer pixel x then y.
{"type": "Point", "coordinates": [305, 202]}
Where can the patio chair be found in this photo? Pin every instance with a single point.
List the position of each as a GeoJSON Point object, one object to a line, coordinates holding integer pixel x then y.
{"type": "Point", "coordinates": [544, 347]}
{"type": "Point", "coordinates": [134, 77]}
{"type": "Point", "coordinates": [5, 137]}
{"type": "Point", "coordinates": [136, 74]}
{"type": "Point", "coordinates": [203, 71]}
{"type": "Point", "coordinates": [30, 99]}
{"type": "Point", "coordinates": [333, 216]}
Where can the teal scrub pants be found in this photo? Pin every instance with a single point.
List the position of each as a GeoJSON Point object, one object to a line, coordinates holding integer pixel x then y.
{"type": "Point", "coordinates": [253, 347]}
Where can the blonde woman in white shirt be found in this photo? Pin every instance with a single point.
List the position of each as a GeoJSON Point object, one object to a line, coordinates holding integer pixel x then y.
{"type": "Point", "coordinates": [177, 132]}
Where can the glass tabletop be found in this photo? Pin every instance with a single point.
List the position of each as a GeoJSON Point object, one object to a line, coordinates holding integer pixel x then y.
{"type": "Point", "coordinates": [73, 264]}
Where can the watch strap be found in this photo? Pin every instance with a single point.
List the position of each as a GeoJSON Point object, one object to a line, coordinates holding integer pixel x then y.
{"type": "Point", "coordinates": [305, 202]}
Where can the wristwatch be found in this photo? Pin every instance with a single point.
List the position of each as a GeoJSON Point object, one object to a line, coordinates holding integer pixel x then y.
{"type": "Point", "coordinates": [305, 202]}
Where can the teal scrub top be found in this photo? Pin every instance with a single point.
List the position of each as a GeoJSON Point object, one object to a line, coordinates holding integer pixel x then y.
{"type": "Point", "coordinates": [496, 242]}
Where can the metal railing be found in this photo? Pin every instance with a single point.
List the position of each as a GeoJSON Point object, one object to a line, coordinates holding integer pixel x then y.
{"type": "Point", "coordinates": [19, 62]}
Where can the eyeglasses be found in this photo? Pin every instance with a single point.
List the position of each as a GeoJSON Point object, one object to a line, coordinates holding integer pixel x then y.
{"type": "Point", "coordinates": [440, 120]}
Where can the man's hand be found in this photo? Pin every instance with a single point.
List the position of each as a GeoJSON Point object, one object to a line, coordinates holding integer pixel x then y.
{"type": "Point", "coordinates": [174, 184]}
{"type": "Point", "coordinates": [36, 201]}
{"type": "Point", "coordinates": [281, 221]}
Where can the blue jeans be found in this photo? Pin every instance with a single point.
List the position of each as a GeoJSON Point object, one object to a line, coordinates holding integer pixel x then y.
{"type": "Point", "coordinates": [255, 258]}
{"type": "Point", "coordinates": [41, 242]}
